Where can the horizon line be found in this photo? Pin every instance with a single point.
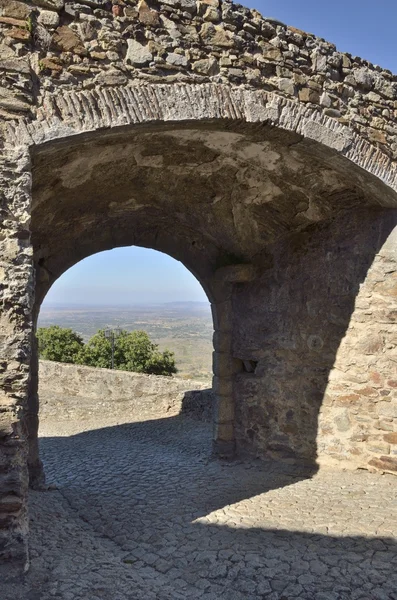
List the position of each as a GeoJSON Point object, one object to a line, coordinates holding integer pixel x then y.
{"type": "Point", "coordinates": [122, 305]}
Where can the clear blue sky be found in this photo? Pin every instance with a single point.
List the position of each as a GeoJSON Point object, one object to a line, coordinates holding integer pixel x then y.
{"type": "Point", "coordinates": [361, 27]}
{"type": "Point", "coordinates": [136, 275]}
{"type": "Point", "coordinates": [126, 276]}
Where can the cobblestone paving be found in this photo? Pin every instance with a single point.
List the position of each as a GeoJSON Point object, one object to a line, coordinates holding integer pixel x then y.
{"type": "Point", "coordinates": [142, 512]}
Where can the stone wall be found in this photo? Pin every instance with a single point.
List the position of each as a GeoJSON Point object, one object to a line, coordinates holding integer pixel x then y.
{"type": "Point", "coordinates": [60, 45]}
{"type": "Point", "coordinates": [74, 392]}
{"type": "Point", "coordinates": [323, 382]}
{"type": "Point", "coordinates": [257, 154]}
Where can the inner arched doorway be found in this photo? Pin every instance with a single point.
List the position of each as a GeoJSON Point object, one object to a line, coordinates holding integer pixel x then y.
{"type": "Point", "coordinates": [280, 231]}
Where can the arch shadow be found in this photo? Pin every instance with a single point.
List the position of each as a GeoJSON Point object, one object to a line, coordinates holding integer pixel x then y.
{"type": "Point", "coordinates": [151, 495]}
{"type": "Point", "coordinates": [218, 194]}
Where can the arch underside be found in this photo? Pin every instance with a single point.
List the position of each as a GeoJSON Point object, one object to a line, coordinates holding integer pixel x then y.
{"type": "Point", "coordinates": [216, 193]}
{"type": "Point", "coordinates": [287, 219]}
{"type": "Point", "coordinates": [208, 192]}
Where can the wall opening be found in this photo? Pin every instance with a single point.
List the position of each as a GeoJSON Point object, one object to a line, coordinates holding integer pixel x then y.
{"type": "Point", "coordinates": [141, 312]}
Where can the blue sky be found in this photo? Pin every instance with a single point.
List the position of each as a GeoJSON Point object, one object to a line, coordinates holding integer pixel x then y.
{"type": "Point", "coordinates": [136, 275]}
{"type": "Point", "coordinates": [126, 276]}
{"type": "Point", "coordinates": [361, 27]}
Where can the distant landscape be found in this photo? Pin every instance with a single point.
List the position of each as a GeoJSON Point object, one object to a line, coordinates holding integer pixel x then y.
{"type": "Point", "coordinates": [185, 328]}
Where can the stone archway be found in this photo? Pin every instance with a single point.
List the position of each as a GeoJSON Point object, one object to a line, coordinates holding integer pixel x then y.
{"type": "Point", "coordinates": [265, 202]}
{"type": "Point", "coordinates": [282, 179]}
{"type": "Point", "coordinates": [226, 198]}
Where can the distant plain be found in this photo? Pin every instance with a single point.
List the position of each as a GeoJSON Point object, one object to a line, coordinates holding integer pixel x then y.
{"type": "Point", "coordinates": [185, 328]}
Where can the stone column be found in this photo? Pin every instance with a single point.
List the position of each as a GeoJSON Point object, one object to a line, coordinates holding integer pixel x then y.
{"type": "Point", "coordinates": [35, 466]}
{"type": "Point", "coordinates": [16, 294]}
{"type": "Point", "coordinates": [225, 365]}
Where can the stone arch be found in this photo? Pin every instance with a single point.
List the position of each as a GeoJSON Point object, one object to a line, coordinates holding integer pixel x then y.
{"type": "Point", "coordinates": [125, 117]}
{"type": "Point", "coordinates": [76, 112]}
{"type": "Point", "coordinates": [281, 99]}
{"type": "Point", "coordinates": [237, 268]}
{"type": "Point", "coordinates": [218, 296]}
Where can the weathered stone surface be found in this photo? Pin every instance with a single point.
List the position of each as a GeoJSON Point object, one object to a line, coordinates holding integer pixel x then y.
{"type": "Point", "coordinates": [146, 15]}
{"type": "Point", "coordinates": [15, 65]}
{"type": "Point", "coordinates": [50, 4]}
{"type": "Point", "coordinates": [111, 77]}
{"type": "Point", "coordinates": [19, 34]}
{"type": "Point", "coordinates": [15, 9]}
{"type": "Point", "coordinates": [137, 54]}
{"type": "Point", "coordinates": [206, 66]}
{"type": "Point", "coordinates": [176, 59]}
{"type": "Point", "coordinates": [48, 18]}
{"type": "Point", "coordinates": [73, 393]}
{"type": "Point", "coordinates": [384, 463]}
{"type": "Point", "coordinates": [53, 65]}
{"type": "Point", "coordinates": [68, 41]}
{"type": "Point", "coordinates": [9, 101]}
{"type": "Point", "coordinates": [215, 35]}
{"type": "Point", "coordinates": [285, 160]}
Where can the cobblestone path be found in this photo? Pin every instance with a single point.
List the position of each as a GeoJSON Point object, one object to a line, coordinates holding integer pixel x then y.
{"type": "Point", "coordinates": [142, 512]}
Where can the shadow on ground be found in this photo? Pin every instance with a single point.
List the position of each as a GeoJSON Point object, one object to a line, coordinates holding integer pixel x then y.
{"type": "Point", "coordinates": [143, 511]}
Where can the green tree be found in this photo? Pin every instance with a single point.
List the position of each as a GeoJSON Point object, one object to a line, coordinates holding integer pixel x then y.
{"type": "Point", "coordinates": [132, 352]}
{"type": "Point", "coordinates": [136, 352]}
{"type": "Point", "coordinates": [97, 352]}
{"type": "Point", "coordinates": [59, 344]}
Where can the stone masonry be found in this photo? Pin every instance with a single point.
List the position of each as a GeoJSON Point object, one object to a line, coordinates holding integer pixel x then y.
{"type": "Point", "coordinates": [77, 393]}
{"type": "Point", "coordinates": [255, 153]}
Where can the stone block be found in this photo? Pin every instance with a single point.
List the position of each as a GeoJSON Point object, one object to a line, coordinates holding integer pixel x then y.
{"type": "Point", "coordinates": [216, 35]}
{"type": "Point", "coordinates": [225, 365]}
{"type": "Point", "coordinates": [378, 447]}
{"type": "Point", "coordinates": [223, 409]}
{"type": "Point", "coordinates": [50, 4]}
{"type": "Point", "coordinates": [177, 60]}
{"type": "Point", "coordinates": [48, 18]}
{"type": "Point", "coordinates": [224, 431]}
{"type": "Point", "coordinates": [67, 40]}
{"type": "Point", "coordinates": [388, 409]}
{"type": "Point", "coordinates": [137, 54]}
{"type": "Point", "coordinates": [342, 421]}
{"type": "Point", "coordinates": [14, 9]}
{"type": "Point", "coordinates": [308, 95]}
{"type": "Point", "coordinates": [222, 385]}
{"type": "Point", "coordinates": [222, 341]}
{"type": "Point", "coordinates": [206, 66]}
{"type": "Point", "coordinates": [222, 315]}
{"type": "Point", "coordinates": [384, 463]}
{"type": "Point", "coordinates": [6, 424]}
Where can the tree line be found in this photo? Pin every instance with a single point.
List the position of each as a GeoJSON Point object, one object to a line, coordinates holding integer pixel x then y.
{"type": "Point", "coordinates": [133, 351]}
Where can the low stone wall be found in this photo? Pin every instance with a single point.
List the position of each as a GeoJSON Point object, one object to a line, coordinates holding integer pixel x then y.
{"type": "Point", "coordinates": [76, 392]}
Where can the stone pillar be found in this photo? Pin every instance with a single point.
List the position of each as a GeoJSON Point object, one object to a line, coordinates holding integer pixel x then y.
{"type": "Point", "coordinates": [16, 293]}
{"type": "Point", "coordinates": [35, 466]}
{"type": "Point", "coordinates": [225, 365]}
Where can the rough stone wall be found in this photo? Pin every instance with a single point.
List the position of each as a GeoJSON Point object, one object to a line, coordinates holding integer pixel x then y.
{"type": "Point", "coordinates": [73, 392]}
{"type": "Point", "coordinates": [52, 46]}
{"type": "Point", "coordinates": [358, 418]}
{"type": "Point", "coordinates": [71, 68]}
{"type": "Point", "coordinates": [16, 299]}
{"type": "Point", "coordinates": [320, 329]}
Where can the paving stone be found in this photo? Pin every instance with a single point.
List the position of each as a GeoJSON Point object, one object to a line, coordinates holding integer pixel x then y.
{"type": "Point", "coordinates": [139, 515]}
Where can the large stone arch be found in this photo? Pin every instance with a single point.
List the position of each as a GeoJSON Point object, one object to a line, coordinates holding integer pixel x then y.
{"type": "Point", "coordinates": [71, 144]}
{"type": "Point", "coordinates": [298, 256]}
